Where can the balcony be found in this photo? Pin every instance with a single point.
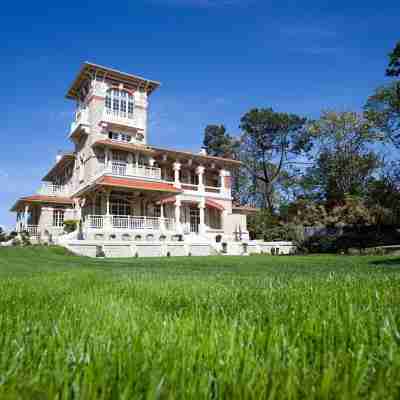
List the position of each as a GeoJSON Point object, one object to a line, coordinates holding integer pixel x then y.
{"type": "Point", "coordinates": [81, 118]}
{"type": "Point", "coordinates": [52, 189]}
{"type": "Point", "coordinates": [119, 117]}
{"type": "Point", "coordinates": [126, 170]}
{"type": "Point", "coordinates": [129, 222]}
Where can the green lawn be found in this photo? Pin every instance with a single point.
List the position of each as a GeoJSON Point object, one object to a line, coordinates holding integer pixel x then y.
{"type": "Point", "coordinates": [257, 327]}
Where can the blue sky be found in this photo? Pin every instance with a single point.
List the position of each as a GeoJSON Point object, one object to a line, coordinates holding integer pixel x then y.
{"type": "Point", "coordinates": [215, 58]}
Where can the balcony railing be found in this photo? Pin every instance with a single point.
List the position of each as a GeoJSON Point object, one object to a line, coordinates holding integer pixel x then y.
{"type": "Point", "coordinates": [120, 117]}
{"type": "Point", "coordinates": [129, 222]}
{"type": "Point", "coordinates": [81, 118]}
{"type": "Point", "coordinates": [33, 230]}
{"type": "Point", "coordinates": [118, 168]}
{"type": "Point", "coordinates": [52, 189]}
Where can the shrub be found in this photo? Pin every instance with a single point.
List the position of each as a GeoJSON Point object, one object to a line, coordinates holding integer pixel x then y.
{"type": "Point", "coordinates": [70, 225]}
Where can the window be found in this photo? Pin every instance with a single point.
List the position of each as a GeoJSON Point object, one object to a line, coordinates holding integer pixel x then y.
{"type": "Point", "coordinates": [122, 137]}
{"type": "Point", "coordinates": [120, 103]}
{"type": "Point", "coordinates": [120, 207]}
{"type": "Point", "coordinates": [58, 218]}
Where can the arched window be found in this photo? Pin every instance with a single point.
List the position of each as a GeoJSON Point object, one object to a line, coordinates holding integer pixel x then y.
{"type": "Point", "coordinates": [120, 103]}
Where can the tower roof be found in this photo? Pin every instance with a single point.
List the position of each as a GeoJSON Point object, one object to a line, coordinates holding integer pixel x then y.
{"type": "Point", "coordinates": [94, 71]}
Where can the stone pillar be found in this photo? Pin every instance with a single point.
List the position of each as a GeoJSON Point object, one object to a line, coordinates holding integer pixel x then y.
{"type": "Point", "coordinates": [129, 167]}
{"type": "Point", "coordinates": [177, 168]}
{"type": "Point", "coordinates": [178, 225]}
{"type": "Point", "coordinates": [106, 157]}
{"type": "Point", "coordinates": [162, 221]}
{"type": "Point", "coordinates": [200, 174]}
{"type": "Point", "coordinates": [107, 223]}
{"type": "Point", "coordinates": [202, 224]}
{"type": "Point", "coordinates": [26, 214]}
{"type": "Point", "coordinates": [225, 184]}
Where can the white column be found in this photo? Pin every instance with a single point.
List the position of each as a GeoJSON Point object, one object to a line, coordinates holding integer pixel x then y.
{"type": "Point", "coordinates": [177, 167]}
{"type": "Point", "coordinates": [26, 216]}
{"type": "Point", "coordinates": [178, 225]}
{"type": "Point", "coordinates": [107, 218]}
{"type": "Point", "coordinates": [224, 188]}
{"type": "Point", "coordinates": [137, 160]}
{"type": "Point", "coordinates": [202, 225]}
{"type": "Point", "coordinates": [200, 174]}
{"type": "Point", "coordinates": [106, 158]}
{"type": "Point", "coordinates": [129, 167]}
{"type": "Point", "coordinates": [162, 222]}
{"type": "Point", "coordinates": [151, 161]}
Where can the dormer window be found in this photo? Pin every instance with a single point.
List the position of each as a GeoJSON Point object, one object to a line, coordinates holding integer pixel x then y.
{"type": "Point", "coordinates": [120, 103]}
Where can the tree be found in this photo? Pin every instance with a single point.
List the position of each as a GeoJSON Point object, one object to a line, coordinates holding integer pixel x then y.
{"type": "Point", "coordinates": [268, 142]}
{"type": "Point", "coordinates": [383, 107]}
{"type": "Point", "coordinates": [394, 63]}
{"type": "Point", "coordinates": [218, 142]}
{"type": "Point", "coordinates": [344, 160]}
{"type": "Point", "coordinates": [3, 237]}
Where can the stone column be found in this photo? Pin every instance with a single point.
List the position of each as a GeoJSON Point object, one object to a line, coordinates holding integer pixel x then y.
{"type": "Point", "coordinates": [202, 224]}
{"type": "Point", "coordinates": [162, 222]}
{"type": "Point", "coordinates": [129, 167]}
{"type": "Point", "coordinates": [178, 225]}
{"type": "Point", "coordinates": [200, 174]}
{"type": "Point", "coordinates": [26, 214]}
{"type": "Point", "coordinates": [225, 185]}
{"type": "Point", "coordinates": [107, 223]}
{"type": "Point", "coordinates": [177, 168]}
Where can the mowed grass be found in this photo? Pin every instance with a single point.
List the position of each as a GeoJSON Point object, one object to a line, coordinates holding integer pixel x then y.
{"type": "Point", "coordinates": [316, 327]}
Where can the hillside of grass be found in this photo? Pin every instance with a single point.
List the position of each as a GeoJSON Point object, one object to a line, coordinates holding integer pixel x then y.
{"type": "Point", "coordinates": [195, 328]}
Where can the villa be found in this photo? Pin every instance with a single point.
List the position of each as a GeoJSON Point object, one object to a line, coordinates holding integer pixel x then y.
{"type": "Point", "coordinates": [130, 198]}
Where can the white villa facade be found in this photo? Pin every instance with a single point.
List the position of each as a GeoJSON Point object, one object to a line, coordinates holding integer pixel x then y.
{"type": "Point", "coordinates": [129, 197]}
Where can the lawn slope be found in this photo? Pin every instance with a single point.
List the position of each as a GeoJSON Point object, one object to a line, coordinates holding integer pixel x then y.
{"type": "Point", "coordinates": [212, 327]}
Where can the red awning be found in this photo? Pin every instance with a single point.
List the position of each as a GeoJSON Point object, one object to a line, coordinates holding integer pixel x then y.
{"type": "Point", "coordinates": [209, 203]}
{"type": "Point", "coordinates": [137, 184]}
{"type": "Point", "coordinates": [37, 198]}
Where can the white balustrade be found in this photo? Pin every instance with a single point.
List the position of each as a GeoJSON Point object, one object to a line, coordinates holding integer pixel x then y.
{"type": "Point", "coordinates": [120, 117]}
{"type": "Point", "coordinates": [96, 221]}
{"type": "Point", "coordinates": [33, 230]}
{"type": "Point", "coordinates": [81, 117]}
{"type": "Point", "coordinates": [120, 168]}
{"type": "Point", "coordinates": [130, 222]}
{"type": "Point", "coordinates": [52, 189]}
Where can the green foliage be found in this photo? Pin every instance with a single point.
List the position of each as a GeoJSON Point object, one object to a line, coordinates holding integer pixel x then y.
{"type": "Point", "coordinates": [218, 142]}
{"type": "Point", "coordinates": [269, 141]}
{"type": "Point", "coordinates": [198, 327]}
{"type": "Point", "coordinates": [394, 62]}
{"type": "Point", "coordinates": [70, 225]}
{"type": "Point", "coordinates": [383, 111]}
{"type": "Point", "coordinates": [344, 161]}
{"type": "Point", "coordinates": [266, 226]}
{"type": "Point", "coordinates": [3, 236]}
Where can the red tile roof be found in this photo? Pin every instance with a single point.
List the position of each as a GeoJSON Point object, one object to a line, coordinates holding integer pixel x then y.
{"type": "Point", "coordinates": [245, 209]}
{"type": "Point", "coordinates": [210, 203]}
{"type": "Point", "coordinates": [37, 198]}
{"type": "Point", "coordinates": [213, 204]}
{"type": "Point", "coordinates": [137, 184]}
{"type": "Point", "coordinates": [122, 146]}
